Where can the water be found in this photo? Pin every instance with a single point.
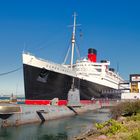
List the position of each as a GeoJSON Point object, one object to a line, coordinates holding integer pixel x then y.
{"type": "Point", "coordinates": [63, 129]}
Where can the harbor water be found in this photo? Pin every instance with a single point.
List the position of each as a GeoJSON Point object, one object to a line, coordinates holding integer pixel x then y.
{"type": "Point", "coordinates": [62, 129]}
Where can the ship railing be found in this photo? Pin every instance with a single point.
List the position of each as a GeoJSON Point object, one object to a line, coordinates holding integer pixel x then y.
{"type": "Point", "coordinates": [113, 75]}
{"type": "Point", "coordinates": [113, 79]}
{"type": "Point", "coordinates": [93, 63]}
{"type": "Point", "coordinates": [89, 64]}
{"type": "Point", "coordinates": [94, 74]}
{"type": "Point", "coordinates": [88, 72]}
{"type": "Point", "coordinates": [126, 82]}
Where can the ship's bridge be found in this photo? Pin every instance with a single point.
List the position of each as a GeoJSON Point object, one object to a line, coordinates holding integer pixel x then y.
{"type": "Point", "coordinates": [86, 67]}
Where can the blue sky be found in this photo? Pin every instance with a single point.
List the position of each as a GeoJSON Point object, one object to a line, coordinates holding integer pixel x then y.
{"type": "Point", "coordinates": [40, 27]}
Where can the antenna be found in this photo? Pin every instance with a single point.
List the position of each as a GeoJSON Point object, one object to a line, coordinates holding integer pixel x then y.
{"type": "Point", "coordinates": [117, 67]}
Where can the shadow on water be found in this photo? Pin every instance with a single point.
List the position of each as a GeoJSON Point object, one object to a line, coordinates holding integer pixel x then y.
{"type": "Point", "coordinates": [62, 129]}
{"type": "Point", "coordinates": [59, 136]}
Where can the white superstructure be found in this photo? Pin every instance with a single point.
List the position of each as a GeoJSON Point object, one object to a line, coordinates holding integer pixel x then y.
{"type": "Point", "coordinates": [97, 72]}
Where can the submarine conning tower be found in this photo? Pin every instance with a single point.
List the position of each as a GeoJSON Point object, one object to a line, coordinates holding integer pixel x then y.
{"type": "Point", "coordinates": [92, 55]}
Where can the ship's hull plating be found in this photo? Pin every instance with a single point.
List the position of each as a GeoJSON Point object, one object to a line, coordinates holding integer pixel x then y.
{"type": "Point", "coordinates": [42, 84]}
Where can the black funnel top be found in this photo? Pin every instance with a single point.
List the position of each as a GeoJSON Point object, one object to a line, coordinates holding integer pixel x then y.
{"type": "Point", "coordinates": [92, 51]}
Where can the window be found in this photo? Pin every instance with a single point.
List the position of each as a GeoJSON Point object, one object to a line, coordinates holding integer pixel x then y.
{"type": "Point", "coordinates": [99, 70]}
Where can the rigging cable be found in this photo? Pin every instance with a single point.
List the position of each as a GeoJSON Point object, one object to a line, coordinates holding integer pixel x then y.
{"type": "Point", "coordinates": [77, 49]}
{"type": "Point", "coordinates": [67, 54]}
{"type": "Point", "coordinates": [12, 71]}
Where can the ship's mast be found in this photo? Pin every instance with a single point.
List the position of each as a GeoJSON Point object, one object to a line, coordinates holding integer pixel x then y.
{"type": "Point", "coordinates": [73, 40]}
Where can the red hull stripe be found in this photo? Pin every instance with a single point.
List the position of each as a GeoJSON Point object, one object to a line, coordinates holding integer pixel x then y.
{"type": "Point", "coordinates": [44, 102]}
{"type": "Point", "coordinates": [47, 102]}
{"type": "Point", "coordinates": [86, 102]}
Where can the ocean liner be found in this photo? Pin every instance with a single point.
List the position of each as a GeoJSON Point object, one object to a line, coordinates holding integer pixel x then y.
{"type": "Point", "coordinates": [45, 80]}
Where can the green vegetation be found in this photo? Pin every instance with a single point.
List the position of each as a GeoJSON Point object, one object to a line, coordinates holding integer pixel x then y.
{"type": "Point", "coordinates": [134, 117]}
{"type": "Point", "coordinates": [110, 127]}
{"type": "Point", "coordinates": [126, 122]}
{"type": "Point", "coordinates": [135, 135]}
{"type": "Point", "coordinates": [126, 109]}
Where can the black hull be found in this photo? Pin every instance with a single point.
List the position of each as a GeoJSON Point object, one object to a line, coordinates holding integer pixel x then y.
{"type": "Point", "coordinates": [42, 84]}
